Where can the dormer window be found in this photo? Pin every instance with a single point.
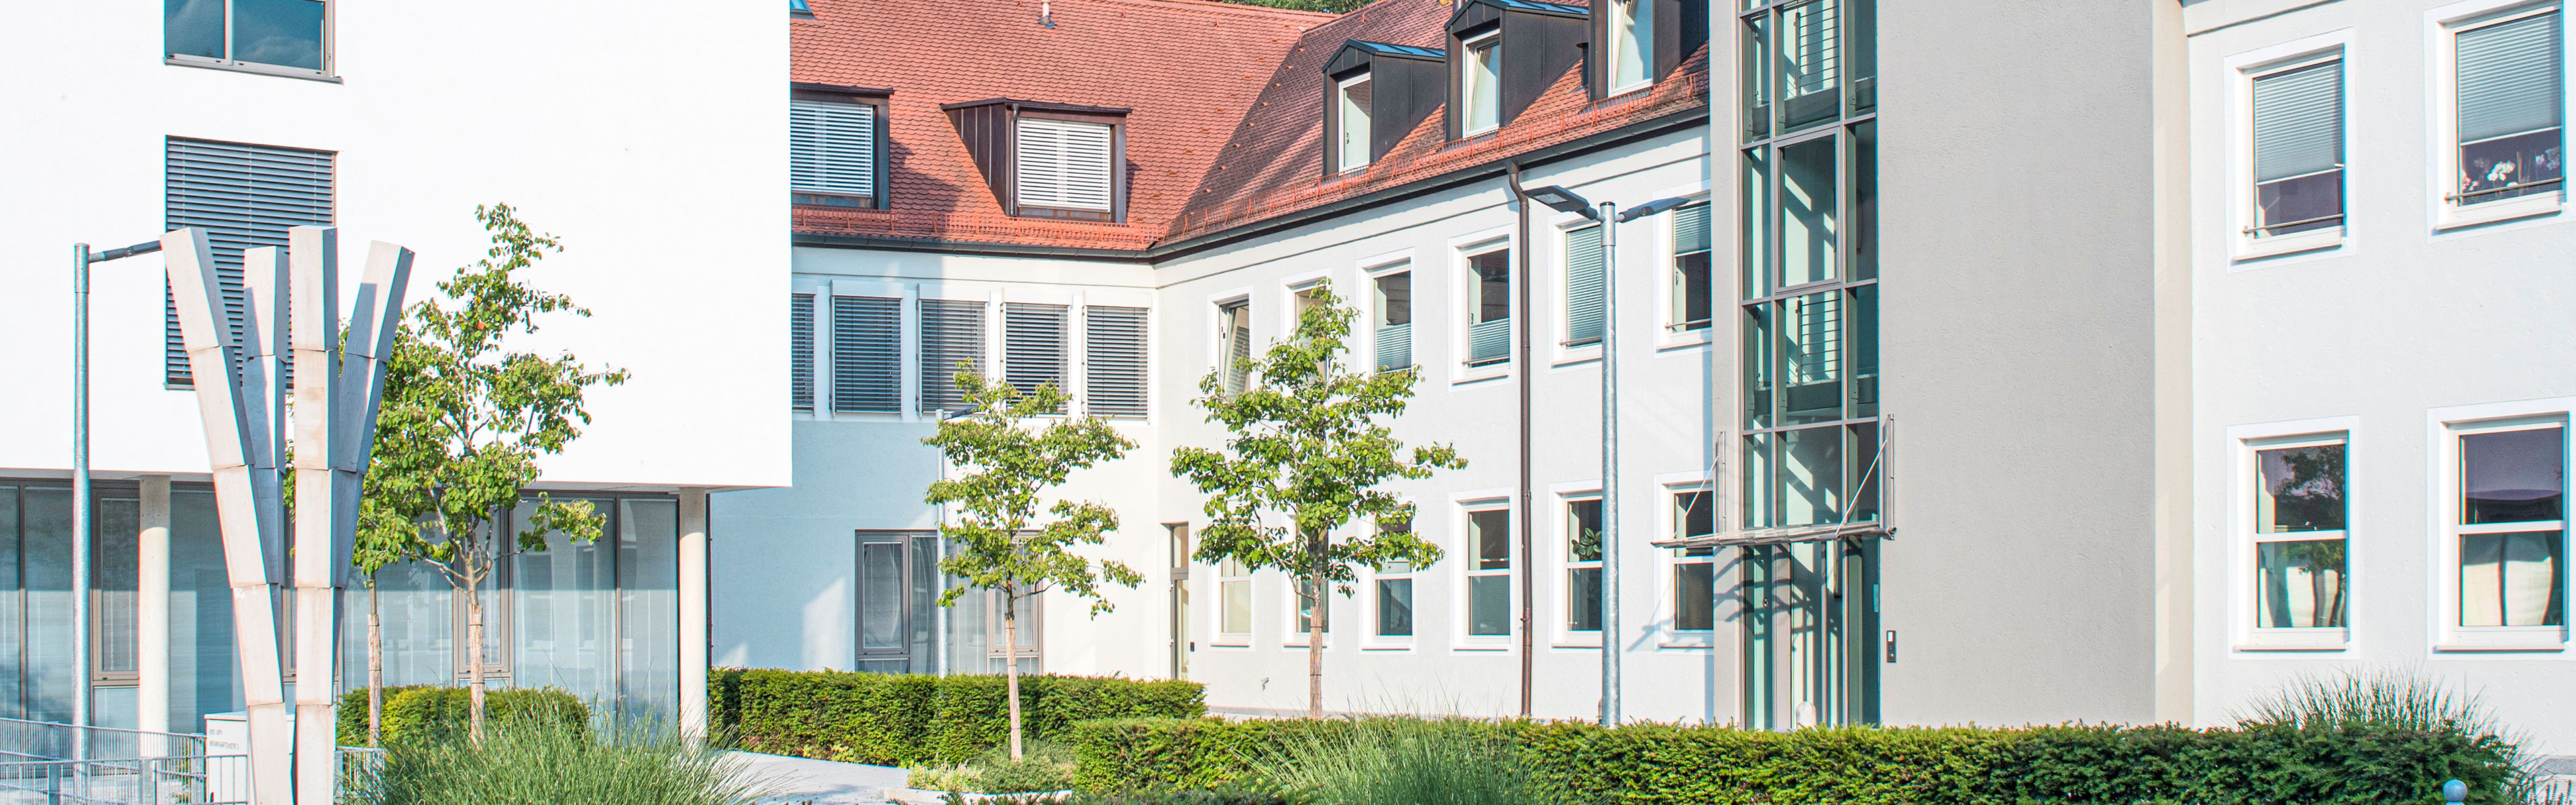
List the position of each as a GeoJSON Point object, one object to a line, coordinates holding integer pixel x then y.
{"type": "Point", "coordinates": [835, 146]}
{"type": "Point", "coordinates": [1048, 160]}
{"type": "Point", "coordinates": [1351, 118]}
{"type": "Point", "coordinates": [1480, 84]}
{"type": "Point", "coordinates": [1631, 42]}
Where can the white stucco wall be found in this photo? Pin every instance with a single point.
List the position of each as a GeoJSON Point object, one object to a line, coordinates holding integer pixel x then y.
{"type": "Point", "coordinates": [2373, 337]}
{"type": "Point", "coordinates": [661, 174]}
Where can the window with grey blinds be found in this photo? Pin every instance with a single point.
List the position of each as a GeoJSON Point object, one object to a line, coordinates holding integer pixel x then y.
{"type": "Point", "coordinates": [800, 351]}
{"type": "Point", "coordinates": [1063, 164]}
{"type": "Point", "coordinates": [1585, 277]}
{"type": "Point", "coordinates": [1035, 345]}
{"type": "Point", "coordinates": [1113, 361]}
{"type": "Point", "coordinates": [2510, 78]}
{"type": "Point", "coordinates": [244, 196]}
{"type": "Point", "coordinates": [952, 333]}
{"type": "Point", "coordinates": [832, 148]}
{"type": "Point", "coordinates": [867, 354]}
{"type": "Point", "coordinates": [2298, 122]}
{"type": "Point", "coordinates": [1690, 229]}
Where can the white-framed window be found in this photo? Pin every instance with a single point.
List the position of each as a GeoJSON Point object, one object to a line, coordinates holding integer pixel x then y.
{"type": "Point", "coordinates": [288, 37]}
{"type": "Point", "coordinates": [867, 354]}
{"type": "Point", "coordinates": [832, 146]}
{"type": "Point", "coordinates": [1037, 345]}
{"type": "Point", "coordinates": [1304, 601]}
{"type": "Point", "coordinates": [1694, 514]}
{"type": "Point", "coordinates": [1114, 361]}
{"type": "Point", "coordinates": [1694, 300]}
{"type": "Point", "coordinates": [951, 340]}
{"type": "Point", "coordinates": [1488, 570]}
{"type": "Point", "coordinates": [2503, 531]}
{"type": "Point", "coordinates": [1391, 590]}
{"type": "Point", "coordinates": [1632, 44]}
{"type": "Point", "coordinates": [1488, 280]}
{"type": "Point", "coordinates": [1351, 96]}
{"type": "Point", "coordinates": [2296, 154]}
{"type": "Point", "coordinates": [1234, 343]}
{"type": "Point", "coordinates": [1587, 283]}
{"type": "Point", "coordinates": [1234, 601]}
{"type": "Point", "coordinates": [2295, 532]}
{"type": "Point", "coordinates": [1064, 165]}
{"type": "Point", "coordinates": [1480, 85]}
{"type": "Point", "coordinates": [1392, 290]}
{"type": "Point", "coordinates": [1582, 541]}
{"type": "Point", "coordinates": [2501, 108]}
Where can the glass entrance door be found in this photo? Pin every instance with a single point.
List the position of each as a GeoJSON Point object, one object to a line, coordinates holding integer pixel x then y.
{"type": "Point", "coordinates": [1810, 634]}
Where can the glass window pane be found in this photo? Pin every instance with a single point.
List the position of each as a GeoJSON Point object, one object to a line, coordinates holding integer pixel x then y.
{"type": "Point", "coordinates": [1395, 607]}
{"type": "Point", "coordinates": [2302, 489]}
{"type": "Point", "coordinates": [1493, 274]}
{"type": "Point", "coordinates": [1760, 360]}
{"type": "Point", "coordinates": [881, 597]}
{"type": "Point", "coordinates": [1583, 526]}
{"type": "Point", "coordinates": [2299, 585]}
{"type": "Point", "coordinates": [2512, 476]}
{"type": "Point", "coordinates": [114, 541]}
{"type": "Point", "coordinates": [648, 582]}
{"type": "Point", "coordinates": [47, 552]}
{"type": "Point", "coordinates": [1760, 506]}
{"type": "Point", "coordinates": [2511, 106]}
{"type": "Point", "coordinates": [1238, 606]}
{"type": "Point", "coordinates": [1489, 604]}
{"type": "Point", "coordinates": [1811, 347]}
{"type": "Point", "coordinates": [2512, 579]}
{"type": "Point", "coordinates": [1811, 64]}
{"type": "Point", "coordinates": [1583, 599]}
{"type": "Point", "coordinates": [1355, 124]}
{"type": "Point", "coordinates": [1860, 45]}
{"type": "Point", "coordinates": [1757, 77]}
{"type": "Point", "coordinates": [10, 617]}
{"type": "Point", "coordinates": [287, 33]}
{"type": "Point", "coordinates": [1809, 238]}
{"type": "Point", "coordinates": [563, 605]}
{"type": "Point", "coordinates": [1483, 85]}
{"type": "Point", "coordinates": [1493, 533]}
{"type": "Point", "coordinates": [1870, 463]}
{"type": "Point", "coordinates": [1691, 292]}
{"type": "Point", "coordinates": [1864, 351]}
{"type": "Point", "coordinates": [1694, 597]}
{"type": "Point", "coordinates": [1864, 204]}
{"type": "Point", "coordinates": [1307, 602]}
{"type": "Point", "coordinates": [1811, 476]}
{"type": "Point", "coordinates": [193, 28]}
{"type": "Point", "coordinates": [1756, 229]}
{"type": "Point", "coordinates": [1694, 514]}
{"type": "Point", "coordinates": [1395, 299]}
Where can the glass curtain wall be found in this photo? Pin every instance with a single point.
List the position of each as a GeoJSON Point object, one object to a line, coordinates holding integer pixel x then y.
{"type": "Point", "coordinates": [1809, 324]}
{"type": "Point", "coordinates": [37, 679]}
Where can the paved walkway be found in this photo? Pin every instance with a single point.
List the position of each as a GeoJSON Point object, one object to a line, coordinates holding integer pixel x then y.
{"type": "Point", "coordinates": [822, 782]}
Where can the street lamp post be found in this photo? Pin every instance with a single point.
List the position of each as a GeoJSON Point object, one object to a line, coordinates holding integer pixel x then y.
{"type": "Point", "coordinates": [1609, 217]}
{"type": "Point", "coordinates": [81, 539]}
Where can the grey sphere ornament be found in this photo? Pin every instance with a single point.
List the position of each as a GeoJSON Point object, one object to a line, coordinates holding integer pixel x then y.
{"type": "Point", "coordinates": [2455, 791]}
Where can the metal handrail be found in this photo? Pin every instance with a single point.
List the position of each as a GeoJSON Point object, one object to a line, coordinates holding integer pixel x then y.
{"type": "Point", "coordinates": [2522, 186]}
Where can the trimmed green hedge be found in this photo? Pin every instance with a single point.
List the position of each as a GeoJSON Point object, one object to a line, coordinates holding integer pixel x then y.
{"type": "Point", "coordinates": [901, 719]}
{"type": "Point", "coordinates": [423, 711]}
{"type": "Point", "coordinates": [1659, 764]}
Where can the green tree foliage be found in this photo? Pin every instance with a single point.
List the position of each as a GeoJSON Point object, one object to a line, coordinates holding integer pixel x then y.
{"type": "Point", "coordinates": [465, 418]}
{"type": "Point", "coordinates": [1309, 446]}
{"type": "Point", "coordinates": [1004, 468]}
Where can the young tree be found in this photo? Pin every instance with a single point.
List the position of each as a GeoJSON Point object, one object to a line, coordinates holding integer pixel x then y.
{"type": "Point", "coordinates": [1004, 468]}
{"type": "Point", "coordinates": [462, 424]}
{"type": "Point", "coordinates": [1309, 446]}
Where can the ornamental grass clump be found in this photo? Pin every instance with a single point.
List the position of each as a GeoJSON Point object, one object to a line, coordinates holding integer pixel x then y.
{"type": "Point", "coordinates": [1407, 761]}
{"type": "Point", "coordinates": [547, 761]}
{"type": "Point", "coordinates": [2387, 698]}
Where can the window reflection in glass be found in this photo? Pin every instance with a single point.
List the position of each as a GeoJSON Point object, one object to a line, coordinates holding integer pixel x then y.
{"type": "Point", "coordinates": [287, 33]}
{"type": "Point", "coordinates": [1809, 237]}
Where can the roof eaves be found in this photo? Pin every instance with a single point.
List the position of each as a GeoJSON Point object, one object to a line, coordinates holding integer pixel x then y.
{"type": "Point", "coordinates": [1042, 106]}
{"type": "Point", "coordinates": [879, 92]}
{"type": "Point", "coordinates": [1382, 49]}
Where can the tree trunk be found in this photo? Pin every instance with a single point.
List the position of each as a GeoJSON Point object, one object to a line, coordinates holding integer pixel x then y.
{"type": "Point", "coordinates": [1315, 617]}
{"type": "Point", "coordinates": [1011, 663]}
{"type": "Point", "coordinates": [474, 659]}
{"type": "Point", "coordinates": [375, 667]}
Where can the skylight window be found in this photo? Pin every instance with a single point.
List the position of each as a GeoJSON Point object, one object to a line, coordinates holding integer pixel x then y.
{"type": "Point", "coordinates": [1353, 96]}
{"type": "Point", "coordinates": [1480, 85]}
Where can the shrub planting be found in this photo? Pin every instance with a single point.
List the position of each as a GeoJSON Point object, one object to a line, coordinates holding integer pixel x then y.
{"type": "Point", "coordinates": [920, 720]}
{"type": "Point", "coordinates": [418, 712]}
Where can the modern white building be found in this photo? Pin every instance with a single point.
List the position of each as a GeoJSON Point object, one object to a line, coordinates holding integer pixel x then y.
{"type": "Point", "coordinates": [2379, 347]}
{"type": "Point", "coordinates": [391, 122]}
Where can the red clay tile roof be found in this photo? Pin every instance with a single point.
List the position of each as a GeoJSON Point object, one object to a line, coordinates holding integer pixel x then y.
{"type": "Point", "coordinates": [1188, 69]}
{"type": "Point", "coordinates": [1227, 119]}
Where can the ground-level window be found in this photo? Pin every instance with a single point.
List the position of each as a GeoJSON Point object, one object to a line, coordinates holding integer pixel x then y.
{"type": "Point", "coordinates": [2510, 525]}
{"type": "Point", "coordinates": [1583, 565]}
{"type": "Point", "coordinates": [2300, 574]}
{"type": "Point", "coordinates": [1694, 569]}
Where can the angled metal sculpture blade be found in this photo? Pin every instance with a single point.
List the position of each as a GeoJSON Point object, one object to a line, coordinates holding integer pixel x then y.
{"type": "Point", "coordinates": [374, 322]}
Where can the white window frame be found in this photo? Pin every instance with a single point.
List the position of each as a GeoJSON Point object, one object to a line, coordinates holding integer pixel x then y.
{"type": "Point", "coordinates": [1384, 642]}
{"type": "Point", "coordinates": [1560, 289]}
{"type": "Point", "coordinates": [1636, 31]}
{"type": "Point", "coordinates": [1468, 88]}
{"type": "Point", "coordinates": [329, 38]}
{"type": "Point", "coordinates": [1370, 271]}
{"type": "Point", "coordinates": [1461, 598]}
{"type": "Point", "coordinates": [2446, 426]}
{"type": "Point", "coordinates": [1561, 563]}
{"type": "Point", "coordinates": [2241, 70]}
{"type": "Point", "coordinates": [1220, 352]}
{"type": "Point", "coordinates": [1295, 637]}
{"type": "Point", "coordinates": [1342, 117]}
{"type": "Point", "coordinates": [2442, 29]}
{"type": "Point", "coordinates": [1675, 558]}
{"type": "Point", "coordinates": [2244, 480]}
{"type": "Point", "coordinates": [1463, 272]}
{"type": "Point", "coordinates": [1217, 635]}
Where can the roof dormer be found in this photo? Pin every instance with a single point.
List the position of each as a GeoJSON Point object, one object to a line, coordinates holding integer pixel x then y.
{"type": "Point", "coordinates": [1503, 54]}
{"type": "Point", "coordinates": [1636, 43]}
{"type": "Point", "coordinates": [1375, 94]}
{"type": "Point", "coordinates": [1048, 160]}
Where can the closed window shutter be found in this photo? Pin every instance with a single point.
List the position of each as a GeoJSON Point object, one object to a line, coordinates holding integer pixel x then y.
{"type": "Point", "coordinates": [1690, 229]}
{"type": "Point", "coordinates": [800, 351]}
{"type": "Point", "coordinates": [1034, 345]}
{"type": "Point", "coordinates": [1063, 164]}
{"type": "Point", "coordinates": [1585, 276]}
{"type": "Point", "coordinates": [1113, 361]}
{"type": "Point", "coordinates": [244, 196]}
{"type": "Point", "coordinates": [867, 354]}
{"type": "Point", "coordinates": [2510, 78]}
{"type": "Point", "coordinates": [2298, 122]}
{"type": "Point", "coordinates": [832, 147]}
{"type": "Point", "coordinates": [952, 332]}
